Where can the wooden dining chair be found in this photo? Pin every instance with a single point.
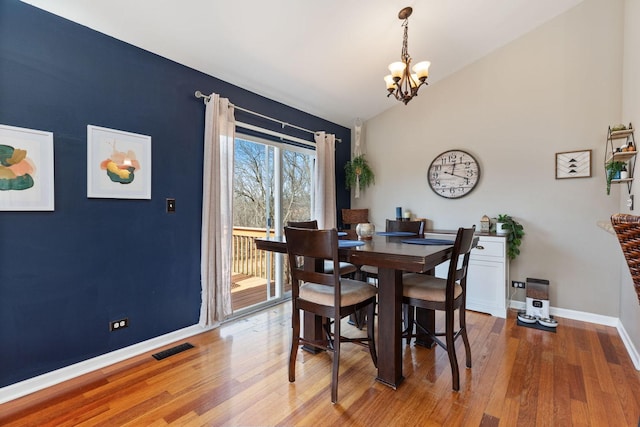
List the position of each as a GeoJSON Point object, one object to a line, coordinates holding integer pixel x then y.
{"type": "Point", "coordinates": [326, 295]}
{"type": "Point", "coordinates": [416, 227]}
{"type": "Point", "coordinates": [345, 267]}
{"type": "Point", "coordinates": [448, 295]}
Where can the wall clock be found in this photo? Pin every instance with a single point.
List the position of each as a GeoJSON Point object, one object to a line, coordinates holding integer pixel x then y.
{"type": "Point", "coordinates": [454, 174]}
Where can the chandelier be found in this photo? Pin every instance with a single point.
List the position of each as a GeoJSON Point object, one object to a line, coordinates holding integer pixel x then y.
{"type": "Point", "coordinates": [401, 83]}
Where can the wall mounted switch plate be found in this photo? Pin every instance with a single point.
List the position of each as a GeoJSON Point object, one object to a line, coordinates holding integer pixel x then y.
{"type": "Point", "coordinates": [171, 205]}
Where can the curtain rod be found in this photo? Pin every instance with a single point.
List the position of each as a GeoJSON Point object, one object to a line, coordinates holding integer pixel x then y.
{"type": "Point", "coordinates": [282, 136]}
{"type": "Point", "coordinates": [206, 98]}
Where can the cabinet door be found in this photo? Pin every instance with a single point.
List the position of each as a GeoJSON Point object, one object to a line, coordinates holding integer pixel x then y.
{"type": "Point", "coordinates": [486, 287]}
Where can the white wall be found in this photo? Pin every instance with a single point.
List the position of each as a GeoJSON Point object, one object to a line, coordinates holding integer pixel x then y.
{"type": "Point", "coordinates": [629, 307]}
{"type": "Point", "coordinates": [555, 89]}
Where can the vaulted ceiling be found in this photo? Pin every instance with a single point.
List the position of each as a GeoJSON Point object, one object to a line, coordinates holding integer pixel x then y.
{"type": "Point", "coordinates": [325, 57]}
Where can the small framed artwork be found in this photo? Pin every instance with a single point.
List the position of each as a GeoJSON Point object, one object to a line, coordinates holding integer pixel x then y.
{"type": "Point", "coordinates": [118, 164]}
{"type": "Point", "coordinates": [26, 169]}
{"type": "Point", "coordinates": [573, 164]}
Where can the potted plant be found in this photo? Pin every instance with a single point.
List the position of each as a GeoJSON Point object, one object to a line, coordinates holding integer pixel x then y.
{"type": "Point", "coordinates": [613, 169]}
{"type": "Point", "coordinates": [358, 173]}
{"type": "Point", "coordinates": [514, 231]}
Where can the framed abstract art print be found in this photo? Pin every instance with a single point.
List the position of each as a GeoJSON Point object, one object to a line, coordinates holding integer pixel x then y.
{"type": "Point", "coordinates": [118, 164]}
{"type": "Point", "coordinates": [26, 169]}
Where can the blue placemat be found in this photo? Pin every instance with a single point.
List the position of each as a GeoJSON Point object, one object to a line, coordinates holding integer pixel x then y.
{"type": "Point", "coordinates": [395, 233]}
{"type": "Point", "coordinates": [349, 243]}
{"type": "Point", "coordinates": [428, 241]}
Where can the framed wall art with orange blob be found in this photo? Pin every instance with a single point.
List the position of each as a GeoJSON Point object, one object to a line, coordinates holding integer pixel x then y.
{"type": "Point", "coordinates": [26, 169]}
{"type": "Point", "coordinates": [118, 164]}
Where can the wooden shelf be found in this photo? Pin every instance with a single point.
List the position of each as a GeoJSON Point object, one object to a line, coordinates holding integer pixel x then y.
{"type": "Point", "coordinates": [621, 181]}
{"type": "Point", "coordinates": [613, 155]}
{"type": "Point", "coordinates": [622, 156]}
{"type": "Point", "coordinates": [619, 134]}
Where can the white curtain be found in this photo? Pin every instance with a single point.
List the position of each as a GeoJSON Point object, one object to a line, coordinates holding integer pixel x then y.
{"type": "Point", "coordinates": [217, 219]}
{"type": "Point", "coordinates": [357, 152]}
{"type": "Point", "coordinates": [325, 177]}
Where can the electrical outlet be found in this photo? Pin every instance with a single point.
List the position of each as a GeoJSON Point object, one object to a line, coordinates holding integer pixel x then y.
{"type": "Point", "coordinates": [516, 284]}
{"type": "Point", "coordinates": [115, 325]}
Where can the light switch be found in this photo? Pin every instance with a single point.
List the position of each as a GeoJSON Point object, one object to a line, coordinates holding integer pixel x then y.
{"type": "Point", "coordinates": [171, 205]}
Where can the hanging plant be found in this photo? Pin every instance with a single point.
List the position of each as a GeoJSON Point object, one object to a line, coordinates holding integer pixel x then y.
{"type": "Point", "coordinates": [515, 232]}
{"type": "Point", "coordinates": [613, 169]}
{"type": "Point", "coordinates": [358, 173]}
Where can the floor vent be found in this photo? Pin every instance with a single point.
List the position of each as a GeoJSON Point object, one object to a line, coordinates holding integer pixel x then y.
{"type": "Point", "coordinates": [171, 351]}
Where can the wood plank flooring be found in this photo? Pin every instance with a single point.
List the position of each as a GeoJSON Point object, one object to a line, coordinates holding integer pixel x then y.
{"type": "Point", "coordinates": [237, 375]}
{"type": "Point", "coordinates": [246, 293]}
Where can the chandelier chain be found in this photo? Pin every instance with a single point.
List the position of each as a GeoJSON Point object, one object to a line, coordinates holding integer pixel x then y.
{"type": "Point", "coordinates": [405, 43]}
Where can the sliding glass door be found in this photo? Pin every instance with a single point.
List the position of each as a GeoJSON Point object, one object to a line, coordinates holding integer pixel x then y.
{"type": "Point", "coordinates": [273, 184]}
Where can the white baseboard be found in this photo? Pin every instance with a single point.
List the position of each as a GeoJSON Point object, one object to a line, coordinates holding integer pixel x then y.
{"type": "Point", "coordinates": [573, 314]}
{"type": "Point", "coordinates": [593, 318]}
{"type": "Point", "coordinates": [49, 379]}
{"type": "Point", "coordinates": [633, 352]}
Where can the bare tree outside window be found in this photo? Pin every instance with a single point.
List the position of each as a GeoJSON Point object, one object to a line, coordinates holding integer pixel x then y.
{"type": "Point", "coordinates": [253, 184]}
{"type": "Point", "coordinates": [296, 183]}
{"type": "Point", "coordinates": [261, 276]}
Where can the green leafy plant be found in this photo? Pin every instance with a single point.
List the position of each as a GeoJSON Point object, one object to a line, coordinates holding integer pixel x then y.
{"type": "Point", "coordinates": [358, 167]}
{"type": "Point", "coordinates": [514, 235]}
{"type": "Point", "coordinates": [612, 169]}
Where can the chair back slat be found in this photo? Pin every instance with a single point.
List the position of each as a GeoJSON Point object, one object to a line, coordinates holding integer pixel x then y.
{"type": "Point", "coordinates": [408, 226]}
{"type": "Point", "coordinates": [311, 224]}
{"type": "Point", "coordinates": [311, 243]}
{"type": "Point", "coordinates": [315, 277]}
{"type": "Point", "coordinates": [458, 271]}
{"type": "Point", "coordinates": [316, 244]}
{"type": "Point", "coordinates": [355, 216]}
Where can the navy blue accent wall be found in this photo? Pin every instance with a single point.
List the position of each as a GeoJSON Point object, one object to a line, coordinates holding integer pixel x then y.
{"type": "Point", "coordinates": [65, 274]}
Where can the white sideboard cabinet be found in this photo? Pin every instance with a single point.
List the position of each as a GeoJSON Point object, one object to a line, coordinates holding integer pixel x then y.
{"type": "Point", "coordinates": [487, 288]}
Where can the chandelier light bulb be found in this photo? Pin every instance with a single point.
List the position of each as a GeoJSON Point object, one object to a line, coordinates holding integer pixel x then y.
{"type": "Point", "coordinates": [391, 84]}
{"type": "Point", "coordinates": [422, 69]}
{"type": "Point", "coordinates": [397, 69]}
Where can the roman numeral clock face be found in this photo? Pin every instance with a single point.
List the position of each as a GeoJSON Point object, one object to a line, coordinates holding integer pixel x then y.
{"type": "Point", "coordinates": [454, 174]}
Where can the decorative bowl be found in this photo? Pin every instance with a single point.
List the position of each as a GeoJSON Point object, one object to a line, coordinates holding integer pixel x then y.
{"type": "Point", "coordinates": [365, 231]}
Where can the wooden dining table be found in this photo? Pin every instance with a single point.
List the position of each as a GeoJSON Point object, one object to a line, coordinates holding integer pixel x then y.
{"type": "Point", "coordinates": [392, 257]}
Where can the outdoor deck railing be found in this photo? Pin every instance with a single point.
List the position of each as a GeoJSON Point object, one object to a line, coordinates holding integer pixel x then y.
{"type": "Point", "coordinates": [246, 258]}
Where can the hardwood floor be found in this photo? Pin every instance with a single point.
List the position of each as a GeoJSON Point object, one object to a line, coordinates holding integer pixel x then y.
{"type": "Point", "coordinates": [248, 290]}
{"type": "Point", "coordinates": [237, 375]}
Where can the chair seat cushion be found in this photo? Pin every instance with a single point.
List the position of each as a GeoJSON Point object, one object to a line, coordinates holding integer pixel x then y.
{"type": "Point", "coordinates": [353, 292]}
{"type": "Point", "coordinates": [426, 287]}
{"type": "Point", "coordinates": [369, 269]}
{"type": "Point", "coordinates": [345, 267]}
